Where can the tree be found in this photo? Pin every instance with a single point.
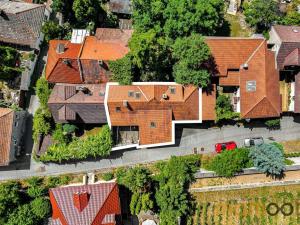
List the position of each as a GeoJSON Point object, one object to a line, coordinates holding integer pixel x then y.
{"type": "Point", "coordinates": [261, 13]}
{"type": "Point", "coordinates": [224, 108]}
{"type": "Point", "coordinates": [191, 53]}
{"type": "Point", "coordinates": [8, 59]}
{"type": "Point", "coordinates": [41, 123]}
{"type": "Point", "coordinates": [69, 129]}
{"type": "Point", "coordinates": [273, 123]}
{"type": "Point", "coordinates": [10, 198]}
{"type": "Point", "coordinates": [137, 179]}
{"type": "Point", "coordinates": [22, 215]}
{"type": "Point", "coordinates": [43, 91]}
{"type": "Point", "coordinates": [122, 70]}
{"type": "Point", "coordinates": [292, 18]}
{"type": "Point", "coordinates": [228, 163]}
{"type": "Point", "coordinates": [53, 30]}
{"type": "Point", "coordinates": [268, 159]}
{"type": "Point", "coordinates": [41, 208]}
{"type": "Point", "coordinates": [86, 11]}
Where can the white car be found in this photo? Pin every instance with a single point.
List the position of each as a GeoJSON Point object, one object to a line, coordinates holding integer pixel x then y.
{"type": "Point", "coordinates": [248, 142]}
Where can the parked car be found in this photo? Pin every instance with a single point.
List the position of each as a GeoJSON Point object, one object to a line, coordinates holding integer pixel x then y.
{"type": "Point", "coordinates": [254, 141]}
{"type": "Point", "coordinates": [229, 146]}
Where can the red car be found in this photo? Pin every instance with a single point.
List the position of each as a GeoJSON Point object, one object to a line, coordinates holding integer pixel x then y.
{"type": "Point", "coordinates": [229, 146]}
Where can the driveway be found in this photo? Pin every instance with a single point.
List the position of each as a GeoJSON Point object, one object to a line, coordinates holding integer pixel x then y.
{"type": "Point", "coordinates": [191, 137]}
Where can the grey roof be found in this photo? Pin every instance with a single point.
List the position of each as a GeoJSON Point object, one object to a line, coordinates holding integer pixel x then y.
{"type": "Point", "coordinates": [20, 22]}
{"type": "Point", "coordinates": [120, 6]}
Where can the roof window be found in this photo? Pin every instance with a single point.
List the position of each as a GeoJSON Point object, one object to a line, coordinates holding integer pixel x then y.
{"type": "Point", "coordinates": [130, 93]}
{"type": "Point", "coordinates": [251, 86]}
{"type": "Point", "coordinates": [172, 90]}
{"type": "Point", "coordinates": [137, 95]}
{"type": "Point", "coordinates": [152, 125]}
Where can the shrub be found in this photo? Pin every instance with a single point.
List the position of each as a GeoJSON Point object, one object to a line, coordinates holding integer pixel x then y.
{"type": "Point", "coordinates": [52, 182]}
{"type": "Point", "coordinates": [36, 191]}
{"type": "Point", "coordinates": [224, 109]}
{"type": "Point", "coordinates": [69, 128]}
{"type": "Point", "coordinates": [10, 198]}
{"type": "Point", "coordinates": [273, 123]}
{"type": "Point", "coordinates": [41, 207]}
{"type": "Point", "coordinates": [41, 123]}
{"type": "Point", "coordinates": [120, 174]}
{"type": "Point", "coordinates": [140, 202]}
{"type": "Point", "coordinates": [43, 91]}
{"type": "Point", "coordinates": [92, 146]}
{"type": "Point", "coordinates": [228, 163]}
{"type": "Point", "coordinates": [268, 159]}
{"type": "Point", "coordinates": [22, 215]}
{"type": "Point", "coordinates": [108, 176]}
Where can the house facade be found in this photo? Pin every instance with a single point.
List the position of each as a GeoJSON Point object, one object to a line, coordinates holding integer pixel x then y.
{"type": "Point", "coordinates": [285, 42]}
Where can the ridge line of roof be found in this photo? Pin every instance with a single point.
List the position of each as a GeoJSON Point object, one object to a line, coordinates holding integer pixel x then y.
{"type": "Point", "coordinates": [254, 52]}
{"type": "Point", "coordinates": [58, 208]}
{"type": "Point", "coordinates": [36, 6]}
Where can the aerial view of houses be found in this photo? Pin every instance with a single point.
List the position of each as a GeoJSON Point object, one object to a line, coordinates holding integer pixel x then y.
{"type": "Point", "coordinates": [130, 112]}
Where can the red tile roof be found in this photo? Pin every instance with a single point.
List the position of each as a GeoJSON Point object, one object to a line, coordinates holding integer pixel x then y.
{"type": "Point", "coordinates": [6, 125]}
{"type": "Point", "coordinates": [230, 54]}
{"type": "Point", "coordinates": [98, 208]}
{"type": "Point", "coordinates": [107, 44]}
{"type": "Point", "coordinates": [293, 59]}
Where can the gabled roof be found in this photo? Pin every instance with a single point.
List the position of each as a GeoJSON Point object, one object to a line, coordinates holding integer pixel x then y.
{"type": "Point", "coordinates": [20, 22]}
{"type": "Point", "coordinates": [293, 59]}
{"type": "Point", "coordinates": [6, 125]}
{"type": "Point", "coordinates": [120, 6]}
{"type": "Point", "coordinates": [107, 44]}
{"type": "Point", "coordinates": [230, 54]}
{"type": "Point", "coordinates": [288, 33]}
{"type": "Point", "coordinates": [100, 206]}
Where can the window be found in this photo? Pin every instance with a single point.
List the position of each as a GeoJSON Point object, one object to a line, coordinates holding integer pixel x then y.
{"type": "Point", "coordinates": [152, 125]}
{"type": "Point", "coordinates": [16, 124]}
{"type": "Point", "coordinates": [251, 86]}
{"type": "Point", "coordinates": [118, 109]}
{"type": "Point", "coordinates": [233, 70]}
{"type": "Point", "coordinates": [137, 95]}
{"type": "Point", "coordinates": [130, 93]}
{"type": "Point", "coordinates": [172, 90]}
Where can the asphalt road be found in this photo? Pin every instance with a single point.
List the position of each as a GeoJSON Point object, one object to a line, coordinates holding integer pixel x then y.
{"type": "Point", "coordinates": [191, 137]}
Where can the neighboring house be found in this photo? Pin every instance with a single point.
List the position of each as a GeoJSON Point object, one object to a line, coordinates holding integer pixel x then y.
{"type": "Point", "coordinates": [21, 23]}
{"type": "Point", "coordinates": [123, 10]}
{"type": "Point", "coordinates": [78, 103]}
{"type": "Point", "coordinates": [86, 62]}
{"type": "Point", "coordinates": [246, 71]}
{"type": "Point", "coordinates": [12, 126]}
{"type": "Point", "coordinates": [93, 204]}
{"type": "Point", "coordinates": [144, 114]}
{"type": "Point", "coordinates": [285, 42]}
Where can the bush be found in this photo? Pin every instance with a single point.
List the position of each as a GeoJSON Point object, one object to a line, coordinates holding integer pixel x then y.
{"type": "Point", "coordinates": [268, 159]}
{"type": "Point", "coordinates": [120, 174]}
{"type": "Point", "coordinates": [107, 176]}
{"type": "Point", "coordinates": [10, 198]}
{"type": "Point", "coordinates": [224, 109]}
{"type": "Point", "coordinates": [22, 215]}
{"type": "Point", "coordinates": [273, 123]}
{"type": "Point", "coordinates": [36, 191]}
{"type": "Point", "coordinates": [228, 163]}
{"type": "Point", "coordinates": [41, 123]}
{"type": "Point", "coordinates": [140, 202]}
{"type": "Point", "coordinates": [43, 91]}
{"type": "Point", "coordinates": [92, 146]}
{"type": "Point", "coordinates": [41, 208]}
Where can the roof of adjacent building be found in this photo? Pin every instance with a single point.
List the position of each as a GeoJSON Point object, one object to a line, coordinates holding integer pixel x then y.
{"type": "Point", "coordinates": [6, 125]}
{"type": "Point", "coordinates": [240, 61]}
{"type": "Point", "coordinates": [107, 44]}
{"type": "Point", "coordinates": [20, 22]}
{"type": "Point", "coordinates": [99, 204]}
{"type": "Point", "coordinates": [288, 33]}
{"type": "Point", "coordinates": [78, 103]}
{"type": "Point", "coordinates": [120, 6]}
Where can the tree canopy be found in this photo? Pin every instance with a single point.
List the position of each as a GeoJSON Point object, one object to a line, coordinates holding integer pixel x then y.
{"type": "Point", "coordinates": [122, 70]}
{"type": "Point", "coordinates": [261, 13]}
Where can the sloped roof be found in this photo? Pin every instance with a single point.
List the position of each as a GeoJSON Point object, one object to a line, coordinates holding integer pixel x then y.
{"type": "Point", "coordinates": [20, 22]}
{"type": "Point", "coordinates": [103, 204]}
{"type": "Point", "coordinates": [6, 124]}
{"type": "Point", "coordinates": [292, 59]}
{"type": "Point", "coordinates": [152, 113]}
{"type": "Point", "coordinates": [288, 33]}
{"type": "Point", "coordinates": [107, 44]}
{"type": "Point", "coordinates": [230, 54]}
{"type": "Point", "coordinates": [71, 51]}
{"type": "Point", "coordinates": [120, 6]}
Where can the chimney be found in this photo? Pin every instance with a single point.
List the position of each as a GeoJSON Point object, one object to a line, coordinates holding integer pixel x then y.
{"type": "Point", "coordinates": [85, 180]}
{"type": "Point", "coordinates": [60, 48]}
{"type": "Point", "coordinates": [80, 200]}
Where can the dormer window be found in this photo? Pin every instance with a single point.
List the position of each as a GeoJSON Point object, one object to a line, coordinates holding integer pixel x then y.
{"type": "Point", "coordinates": [172, 90]}
{"type": "Point", "coordinates": [137, 95]}
{"type": "Point", "coordinates": [101, 63]}
{"type": "Point", "coordinates": [130, 93]}
{"type": "Point", "coordinates": [152, 125]}
{"type": "Point", "coordinates": [118, 109]}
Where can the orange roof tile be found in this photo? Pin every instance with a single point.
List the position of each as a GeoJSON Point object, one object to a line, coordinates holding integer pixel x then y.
{"type": "Point", "coordinates": [6, 124]}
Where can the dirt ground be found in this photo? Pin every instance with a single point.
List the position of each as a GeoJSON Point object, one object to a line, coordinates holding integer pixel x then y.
{"type": "Point", "coordinates": [291, 146]}
{"type": "Point", "coordinates": [245, 179]}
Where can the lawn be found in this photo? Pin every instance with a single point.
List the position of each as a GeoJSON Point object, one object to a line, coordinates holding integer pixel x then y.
{"type": "Point", "coordinates": [238, 27]}
{"type": "Point", "coordinates": [245, 206]}
{"type": "Point", "coordinates": [291, 146]}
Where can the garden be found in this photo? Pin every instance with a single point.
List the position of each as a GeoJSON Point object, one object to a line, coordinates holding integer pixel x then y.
{"type": "Point", "coordinates": [246, 206]}
{"type": "Point", "coordinates": [65, 145]}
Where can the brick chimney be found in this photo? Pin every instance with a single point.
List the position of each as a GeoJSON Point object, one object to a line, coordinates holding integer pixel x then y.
{"type": "Point", "coordinates": [80, 200]}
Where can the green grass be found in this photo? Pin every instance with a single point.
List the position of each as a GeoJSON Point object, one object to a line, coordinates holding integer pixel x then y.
{"type": "Point", "coordinates": [236, 30]}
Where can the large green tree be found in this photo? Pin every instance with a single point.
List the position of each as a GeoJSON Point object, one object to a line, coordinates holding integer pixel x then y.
{"type": "Point", "coordinates": [261, 13]}
{"type": "Point", "coordinates": [122, 70]}
{"type": "Point", "coordinates": [191, 53]}
{"type": "Point", "coordinates": [86, 11]}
